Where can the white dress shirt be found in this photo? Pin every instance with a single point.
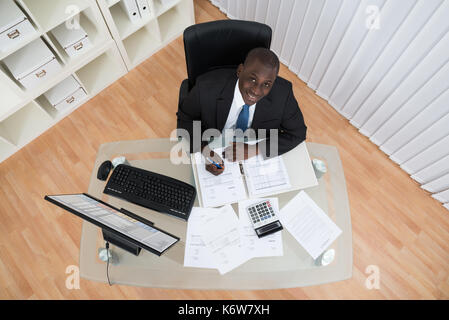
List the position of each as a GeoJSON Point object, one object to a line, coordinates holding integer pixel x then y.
{"type": "Point", "coordinates": [236, 108]}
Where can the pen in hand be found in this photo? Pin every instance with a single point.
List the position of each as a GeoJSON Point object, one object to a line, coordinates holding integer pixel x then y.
{"type": "Point", "coordinates": [214, 163]}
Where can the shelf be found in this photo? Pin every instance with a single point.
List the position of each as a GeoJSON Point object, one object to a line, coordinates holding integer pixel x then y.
{"type": "Point", "coordinates": [95, 38]}
{"type": "Point", "coordinates": [28, 39]}
{"type": "Point", "coordinates": [64, 72]}
{"type": "Point", "coordinates": [143, 43]}
{"type": "Point", "coordinates": [50, 13]}
{"type": "Point", "coordinates": [56, 114]}
{"type": "Point", "coordinates": [173, 22]}
{"type": "Point", "coordinates": [111, 2]}
{"type": "Point", "coordinates": [25, 114]}
{"type": "Point", "coordinates": [25, 125]}
{"type": "Point", "coordinates": [138, 41]}
{"type": "Point", "coordinates": [15, 103]}
{"type": "Point", "coordinates": [101, 72]}
{"type": "Point", "coordinates": [9, 101]}
{"type": "Point", "coordinates": [20, 59]}
{"type": "Point", "coordinates": [124, 26]}
{"type": "Point", "coordinates": [162, 6]}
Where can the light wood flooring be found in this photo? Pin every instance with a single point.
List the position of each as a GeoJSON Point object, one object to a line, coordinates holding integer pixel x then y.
{"type": "Point", "coordinates": [396, 225]}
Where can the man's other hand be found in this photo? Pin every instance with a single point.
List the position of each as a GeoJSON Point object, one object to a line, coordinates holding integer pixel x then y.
{"type": "Point", "coordinates": [239, 151]}
{"type": "Point", "coordinates": [209, 153]}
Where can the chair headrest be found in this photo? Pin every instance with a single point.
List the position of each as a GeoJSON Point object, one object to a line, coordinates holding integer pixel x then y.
{"type": "Point", "coordinates": [221, 44]}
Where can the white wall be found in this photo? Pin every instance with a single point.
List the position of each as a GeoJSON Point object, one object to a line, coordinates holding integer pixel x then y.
{"type": "Point", "coordinates": [382, 64]}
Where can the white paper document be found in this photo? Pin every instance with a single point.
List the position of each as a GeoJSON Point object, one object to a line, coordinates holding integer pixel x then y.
{"type": "Point", "coordinates": [225, 188]}
{"type": "Point", "coordinates": [263, 177]}
{"type": "Point", "coordinates": [266, 176]}
{"type": "Point", "coordinates": [254, 246]}
{"type": "Point", "coordinates": [196, 253]}
{"type": "Point", "coordinates": [309, 224]}
{"type": "Point", "coordinates": [222, 237]}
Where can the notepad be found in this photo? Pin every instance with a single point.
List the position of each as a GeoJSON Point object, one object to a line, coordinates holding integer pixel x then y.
{"type": "Point", "coordinates": [240, 180]}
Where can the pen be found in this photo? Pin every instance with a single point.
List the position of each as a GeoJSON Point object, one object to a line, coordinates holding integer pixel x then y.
{"type": "Point", "coordinates": [214, 163]}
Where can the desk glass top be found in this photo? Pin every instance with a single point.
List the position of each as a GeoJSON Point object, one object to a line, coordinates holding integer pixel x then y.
{"type": "Point", "coordinates": [295, 268]}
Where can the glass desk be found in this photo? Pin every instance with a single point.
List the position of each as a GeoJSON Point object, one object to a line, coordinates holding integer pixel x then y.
{"type": "Point", "coordinates": [295, 268]}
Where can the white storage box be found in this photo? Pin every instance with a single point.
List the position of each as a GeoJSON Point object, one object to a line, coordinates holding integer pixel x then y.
{"type": "Point", "coordinates": [14, 25]}
{"type": "Point", "coordinates": [66, 94]}
{"type": "Point", "coordinates": [32, 64]}
{"type": "Point", "coordinates": [74, 41]}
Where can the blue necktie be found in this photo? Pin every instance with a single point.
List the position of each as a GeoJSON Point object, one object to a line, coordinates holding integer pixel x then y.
{"type": "Point", "coordinates": [242, 120]}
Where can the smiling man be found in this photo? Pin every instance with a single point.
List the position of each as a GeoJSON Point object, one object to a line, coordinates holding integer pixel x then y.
{"type": "Point", "coordinates": [251, 97]}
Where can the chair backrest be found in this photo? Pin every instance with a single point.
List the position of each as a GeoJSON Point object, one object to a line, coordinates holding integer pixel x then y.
{"type": "Point", "coordinates": [221, 44]}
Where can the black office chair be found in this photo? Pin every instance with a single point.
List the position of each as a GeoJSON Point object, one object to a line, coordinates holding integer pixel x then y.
{"type": "Point", "coordinates": [220, 44]}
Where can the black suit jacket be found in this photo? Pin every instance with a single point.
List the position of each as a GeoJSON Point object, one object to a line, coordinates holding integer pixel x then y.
{"type": "Point", "coordinates": [210, 101]}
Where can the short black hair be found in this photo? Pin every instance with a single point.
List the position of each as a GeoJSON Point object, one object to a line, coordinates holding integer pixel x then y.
{"type": "Point", "coordinates": [264, 55]}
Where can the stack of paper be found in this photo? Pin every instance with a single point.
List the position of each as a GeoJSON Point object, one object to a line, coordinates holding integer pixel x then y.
{"type": "Point", "coordinates": [217, 239]}
{"type": "Point", "coordinates": [309, 224]}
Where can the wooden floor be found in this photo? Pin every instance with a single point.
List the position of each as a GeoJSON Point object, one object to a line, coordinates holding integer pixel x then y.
{"type": "Point", "coordinates": [396, 225]}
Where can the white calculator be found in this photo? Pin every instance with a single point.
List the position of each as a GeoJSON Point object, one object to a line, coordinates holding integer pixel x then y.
{"type": "Point", "coordinates": [263, 218]}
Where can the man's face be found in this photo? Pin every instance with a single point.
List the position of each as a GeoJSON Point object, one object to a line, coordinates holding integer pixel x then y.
{"type": "Point", "coordinates": [255, 81]}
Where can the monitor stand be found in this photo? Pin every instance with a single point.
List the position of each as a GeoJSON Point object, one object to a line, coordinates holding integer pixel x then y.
{"type": "Point", "coordinates": [121, 242]}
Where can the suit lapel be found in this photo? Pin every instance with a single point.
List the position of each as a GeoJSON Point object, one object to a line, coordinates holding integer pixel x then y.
{"type": "Point", "coordinates": [262, 113]}
{"type": "Point", "coordinates": [224, 102]}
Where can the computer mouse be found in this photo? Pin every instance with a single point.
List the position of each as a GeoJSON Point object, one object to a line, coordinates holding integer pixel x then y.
{"type": "Point", "coordinates": [103, 170]}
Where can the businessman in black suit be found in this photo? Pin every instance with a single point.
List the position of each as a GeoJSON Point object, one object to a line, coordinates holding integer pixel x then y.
{"type": "Point", "coordinates": [253, 96]}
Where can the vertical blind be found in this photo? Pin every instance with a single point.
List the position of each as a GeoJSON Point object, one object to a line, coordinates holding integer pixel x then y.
{"type": "Point", "coordinates": [382, 64]}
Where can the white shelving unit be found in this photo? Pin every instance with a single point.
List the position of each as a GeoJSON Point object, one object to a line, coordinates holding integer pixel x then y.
{"type": "Point", "coordinates": [25, 114]}
{"type": "Point", "coordinates": [138, 41]}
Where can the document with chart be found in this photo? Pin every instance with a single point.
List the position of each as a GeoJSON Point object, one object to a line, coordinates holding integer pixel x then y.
{"type": "Point", "coordinates": [264, 177]}
{"type": "Point", "coordinates": [215, 191]}
{"type": "Point", "coordinates": [254, 177]}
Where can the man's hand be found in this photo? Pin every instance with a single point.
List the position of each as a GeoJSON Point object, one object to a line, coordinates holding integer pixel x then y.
{"type": "Point", "coordinates": [240, 151]}
{"type": "Point", "coordinates": [209, 153]}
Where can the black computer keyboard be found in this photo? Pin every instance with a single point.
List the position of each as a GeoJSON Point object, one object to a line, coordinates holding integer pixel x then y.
{"type": "Point", "coordinates": [151, 190]}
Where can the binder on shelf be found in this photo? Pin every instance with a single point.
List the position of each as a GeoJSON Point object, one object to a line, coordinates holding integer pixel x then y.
{"type": "Point", "coordinates": [14, 25]}
{"type": "Point", "coordinates": [144, 8]}
{"type": "Point", "coordinates": [131, 10]}
{"type": "Point", "coordinates": [32, 64]}
{"type": "Point", "coordinates": [68, 93]}
{"type": "Point", "coordinates": [74, 41]}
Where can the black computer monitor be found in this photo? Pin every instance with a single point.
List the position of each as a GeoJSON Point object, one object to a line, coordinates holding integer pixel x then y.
{"type": "Point", "coordinates": [120, 227]}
